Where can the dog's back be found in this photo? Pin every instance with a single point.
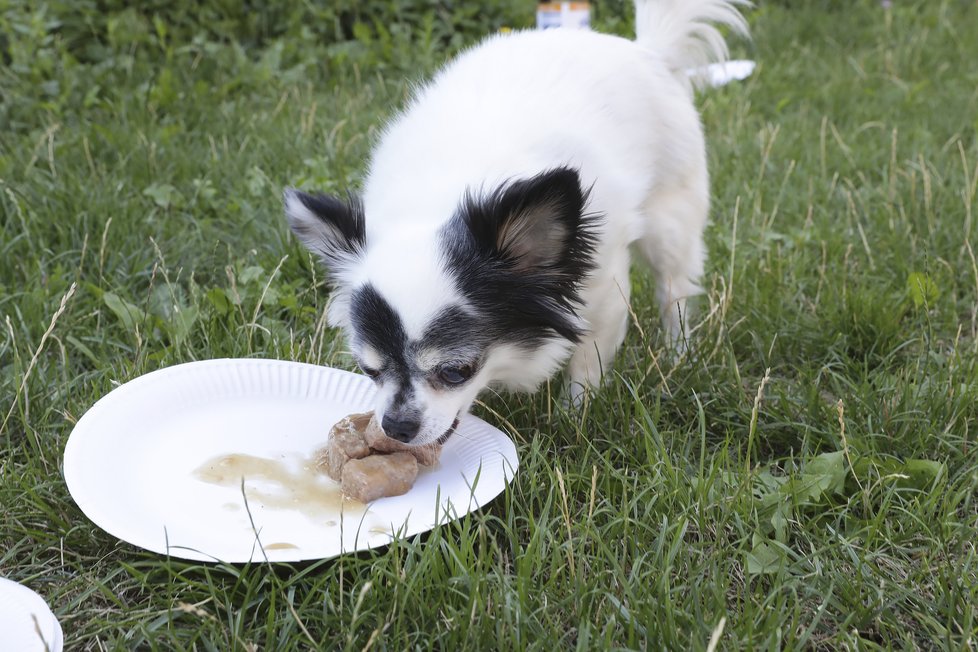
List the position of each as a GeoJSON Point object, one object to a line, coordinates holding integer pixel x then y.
{"type": "Point", "coordinates": [519, 102]}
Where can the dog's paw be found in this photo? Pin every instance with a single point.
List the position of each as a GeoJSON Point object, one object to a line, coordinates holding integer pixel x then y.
{"type": "Point", "coordinates": [575, 395]}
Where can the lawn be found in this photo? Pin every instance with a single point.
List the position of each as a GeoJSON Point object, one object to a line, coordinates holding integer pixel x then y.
{"type": "Point", "coordinates": [807, 477]}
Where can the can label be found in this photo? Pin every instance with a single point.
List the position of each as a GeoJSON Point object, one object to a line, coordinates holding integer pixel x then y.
{"type": "Point", "coordinates": [575, 15]}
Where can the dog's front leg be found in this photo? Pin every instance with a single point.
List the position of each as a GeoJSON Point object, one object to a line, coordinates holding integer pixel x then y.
{"type": "Point", "coordinates": [608, 323]}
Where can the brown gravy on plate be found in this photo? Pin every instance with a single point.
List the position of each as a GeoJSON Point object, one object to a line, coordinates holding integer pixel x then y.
{"type": "Point", "coordinates": [277, 484]}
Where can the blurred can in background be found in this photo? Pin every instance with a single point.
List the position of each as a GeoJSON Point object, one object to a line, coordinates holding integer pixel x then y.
{"type": "Point", "coordinates": [575, 15]}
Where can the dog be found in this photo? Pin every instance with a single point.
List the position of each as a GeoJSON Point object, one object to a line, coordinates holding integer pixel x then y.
{"type": "Point", "coordinates": [492, 241]}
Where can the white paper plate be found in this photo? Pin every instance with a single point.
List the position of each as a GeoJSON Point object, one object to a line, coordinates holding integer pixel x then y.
{"type": "Point", "coordinates": [719, 74]}
{"type": "Point", "coordinates": [26, 621]}
{"type": "Point", "coordinates": [133, 463]}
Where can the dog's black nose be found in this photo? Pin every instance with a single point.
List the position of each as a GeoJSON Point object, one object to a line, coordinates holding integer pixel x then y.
{"type": "Point", "coordinates": [403, 430]}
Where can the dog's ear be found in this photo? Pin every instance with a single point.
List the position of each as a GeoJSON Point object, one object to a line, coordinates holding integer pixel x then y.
{"type": "Point", "coordinates": [327, 226]}
{"type": "Point", "coordinates": [533, 224]}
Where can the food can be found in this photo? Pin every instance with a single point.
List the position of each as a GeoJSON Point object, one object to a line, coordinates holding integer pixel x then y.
{"type": "Point", "coordinates": [575, 15]}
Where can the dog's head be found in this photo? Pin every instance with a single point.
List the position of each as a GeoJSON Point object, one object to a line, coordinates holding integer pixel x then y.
{"type": "Point", "coordinates": [435, 314]}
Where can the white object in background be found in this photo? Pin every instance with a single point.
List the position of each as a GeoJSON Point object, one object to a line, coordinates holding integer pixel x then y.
{"type": "Point", "coordinates": [718, 74]}
{"type": "Point", "coordinates": [158, 462]}
{"type": "Point", "coordinates": [26, 622]}
{"type": "Point", "coordinates": [575, 15]}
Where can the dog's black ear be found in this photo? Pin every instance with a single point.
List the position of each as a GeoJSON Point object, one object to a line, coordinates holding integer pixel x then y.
{"type": "Point", "coordinates": [327, 226]}
{"type": "Point", "coordinates": [533, 224]}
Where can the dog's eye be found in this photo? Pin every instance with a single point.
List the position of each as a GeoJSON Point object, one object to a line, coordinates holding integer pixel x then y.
{"type": "Point", "coordinates": [373, 373]}
{"type": "Point", "coordinates": [455, 375]}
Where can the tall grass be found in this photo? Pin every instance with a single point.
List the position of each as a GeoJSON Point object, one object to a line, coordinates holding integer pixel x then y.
{"type": "Point", "coordinates": [805, 478]}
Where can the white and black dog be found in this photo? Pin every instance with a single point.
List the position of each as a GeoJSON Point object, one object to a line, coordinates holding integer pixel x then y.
{"type": "Point", "coordinates": [493, 238]}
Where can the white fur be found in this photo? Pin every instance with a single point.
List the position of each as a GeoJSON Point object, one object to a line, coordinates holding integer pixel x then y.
{"type": "Point", "coordinates": [403, 267]}
{"type": "Point", "coordinates": [619, 111]}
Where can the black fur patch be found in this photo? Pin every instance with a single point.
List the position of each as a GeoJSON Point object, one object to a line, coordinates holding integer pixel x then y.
{"type": "Point", "coordinates": [377, 325]}
{"type": "Point", "coordinates": [340, 231]}
{"type": "Point", "coordinates": [453, 331]}
{"type": "Point", "coordinates": [523, 296]}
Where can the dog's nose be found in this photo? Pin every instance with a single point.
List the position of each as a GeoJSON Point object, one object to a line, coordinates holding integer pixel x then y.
{"type": "Point", "coordinates": [403, 430]}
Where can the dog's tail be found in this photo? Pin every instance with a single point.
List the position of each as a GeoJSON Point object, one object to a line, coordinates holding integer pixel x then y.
{"type": "Point", "coordinates": [685, 32]}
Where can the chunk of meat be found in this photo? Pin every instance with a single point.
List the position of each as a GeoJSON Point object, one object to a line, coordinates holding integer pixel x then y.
{"type": "Point", "coordinates": [377, 476]}
{"type": "Point", "coordinates": [345, 443]}
{"type": "Point", "coordinates": [367, 463]}
{"type": "Point", "coordinates": [378, 440]}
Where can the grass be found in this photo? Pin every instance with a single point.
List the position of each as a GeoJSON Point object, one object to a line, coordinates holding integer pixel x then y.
{"type": "Point", "coordinates": [806, 478]}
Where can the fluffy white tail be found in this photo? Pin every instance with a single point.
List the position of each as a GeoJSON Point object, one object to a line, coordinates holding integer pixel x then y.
{"type": "Point", "coordinates": [684, 31]}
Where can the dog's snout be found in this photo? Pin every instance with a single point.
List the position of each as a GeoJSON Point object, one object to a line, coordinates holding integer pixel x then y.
{"type": "Point", "coordinates": [403, 430]}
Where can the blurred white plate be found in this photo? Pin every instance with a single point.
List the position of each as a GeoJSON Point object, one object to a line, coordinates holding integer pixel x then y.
{"type": "Point", "coordinates": [26, 621]}
{"type": "Point", "coordinates": [719, 74]}
{"type": "Point", "coordinates": [143, 461]}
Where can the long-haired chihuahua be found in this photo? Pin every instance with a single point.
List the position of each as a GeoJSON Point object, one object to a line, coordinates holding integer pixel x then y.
{"type": "Point", "coordinates": [492, 241]}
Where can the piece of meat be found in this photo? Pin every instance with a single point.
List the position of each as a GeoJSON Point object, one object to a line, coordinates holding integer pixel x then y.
{"type": "Point", "coordinates": [367, 463]}
{"type": "Point", "coordinates": [378, 476]}
{"type": "Point", "coordinates": [345, 443]}
{"type": "Point", "coordinates": [378, 440]}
